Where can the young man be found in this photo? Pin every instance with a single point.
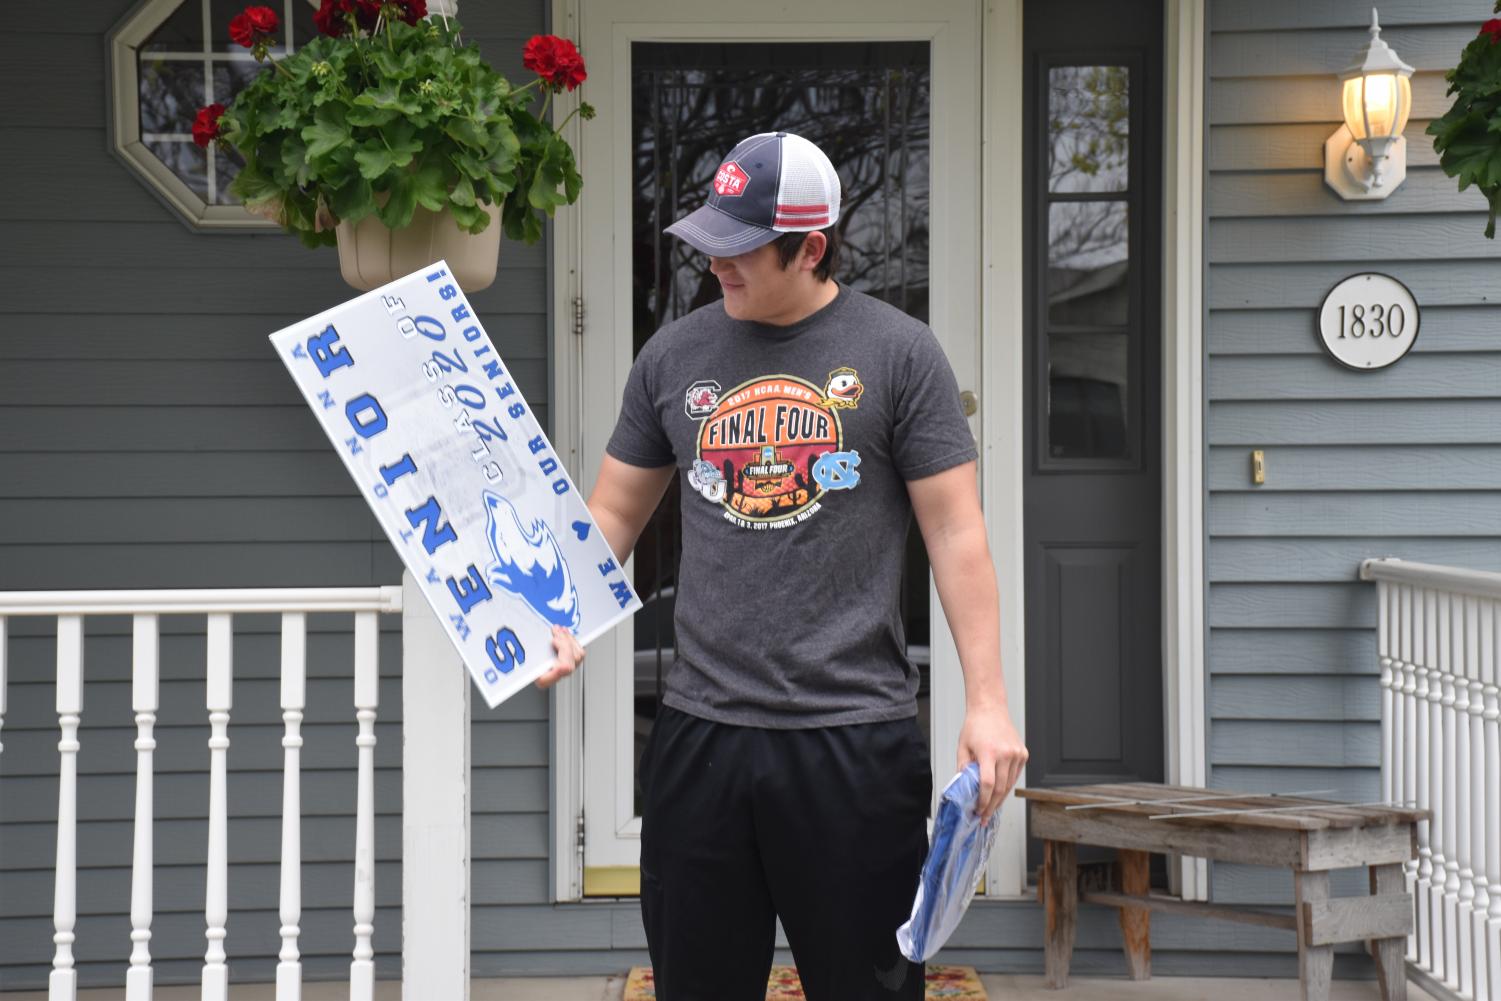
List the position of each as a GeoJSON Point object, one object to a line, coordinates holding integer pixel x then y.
{"type": "Point", "coordinates": [786, 774]}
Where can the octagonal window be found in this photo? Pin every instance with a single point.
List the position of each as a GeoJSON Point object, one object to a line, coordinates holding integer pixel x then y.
{"type": "Point", "coordinates": [168, 59]}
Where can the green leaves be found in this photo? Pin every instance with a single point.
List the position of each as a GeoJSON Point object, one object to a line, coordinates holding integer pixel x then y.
{"type": "Point", "coordinates": [1468, 136]}
{"type": "Point", "coordinates": [393, 145]}
{"type": "Point", "coordinates": [328, 132]}
{"type": "Point", "coordinates": [353, 126]}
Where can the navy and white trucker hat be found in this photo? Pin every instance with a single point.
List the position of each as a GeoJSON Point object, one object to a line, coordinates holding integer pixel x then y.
{"type": "Point", "coordinates": [770, 184]}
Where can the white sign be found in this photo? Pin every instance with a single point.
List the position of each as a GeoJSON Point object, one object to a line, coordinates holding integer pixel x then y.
{"type": "Point", "coordinates": [446, 452]}
{"type": "Point", "coordinates": [1368, 321]}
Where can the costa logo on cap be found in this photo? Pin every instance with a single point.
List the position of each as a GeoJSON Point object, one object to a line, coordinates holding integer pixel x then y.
{"type": "Point", "coordinates": [730, 180]}
{"type": "Point", "coordinates": [770, 183]}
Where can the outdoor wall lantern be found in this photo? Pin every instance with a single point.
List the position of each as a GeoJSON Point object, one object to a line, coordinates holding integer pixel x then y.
{"type": "Point", "coordinates": [1367, 157]}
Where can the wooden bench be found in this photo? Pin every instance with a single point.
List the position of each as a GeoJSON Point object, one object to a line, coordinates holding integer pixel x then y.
{"type": "Point", "coordinates": [1308, 836]}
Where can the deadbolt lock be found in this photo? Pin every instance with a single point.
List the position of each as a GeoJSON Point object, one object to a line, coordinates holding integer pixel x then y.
{"type": "Point", "coordinates": [970, 402]}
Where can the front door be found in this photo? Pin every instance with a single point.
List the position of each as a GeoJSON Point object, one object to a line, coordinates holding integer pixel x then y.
{"type": "Point", "coordinates": [891, 93]}
{"type": "Point", "coordinates": [1093, 456]}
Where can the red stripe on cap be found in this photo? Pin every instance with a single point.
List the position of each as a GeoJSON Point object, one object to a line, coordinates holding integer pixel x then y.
{"type": "Point", "coordinates": [803, 209]}
{"type": "Point", "coordinates": [801, 220]}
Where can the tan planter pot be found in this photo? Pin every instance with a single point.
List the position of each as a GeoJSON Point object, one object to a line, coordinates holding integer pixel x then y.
{"type": "Point", "coordinates": [370, 255]}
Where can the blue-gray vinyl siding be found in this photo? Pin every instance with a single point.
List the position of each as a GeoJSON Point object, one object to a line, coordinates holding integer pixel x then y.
{"type": "Point", "coordinates": [1405, 462]}
{"type": "Point", "coordinates": [151, 439]}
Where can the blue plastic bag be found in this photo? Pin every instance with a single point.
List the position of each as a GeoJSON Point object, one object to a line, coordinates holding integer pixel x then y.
{"type": "Point", "coordinates": [956, 859]}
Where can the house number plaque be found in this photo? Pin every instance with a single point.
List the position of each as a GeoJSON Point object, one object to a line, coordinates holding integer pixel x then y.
{"type": "Point", "coordinates": [1368, 321]}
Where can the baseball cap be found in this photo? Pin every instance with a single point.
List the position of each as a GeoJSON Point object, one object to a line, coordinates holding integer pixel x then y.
{"type": "Point", "coordinates": [769, 184]}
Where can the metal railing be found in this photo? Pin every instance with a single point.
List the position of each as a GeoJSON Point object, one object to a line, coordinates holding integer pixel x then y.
{"type": "Point", "coordinates": [146, 607]}
{"type": "Point", "coordinates": [1439, 643]}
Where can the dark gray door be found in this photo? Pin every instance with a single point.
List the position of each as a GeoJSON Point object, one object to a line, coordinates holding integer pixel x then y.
{"type": "Point", "coordinates": [1093, 508]}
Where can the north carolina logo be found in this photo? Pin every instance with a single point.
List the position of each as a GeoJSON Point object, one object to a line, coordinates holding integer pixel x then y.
{"type": "Point", "coordinates": [701, 399]}
{"type": "Point", "coordinates": [730, 180]}
{"type": "Point", "coordinates": [843, 389]}
{"type": "Point", "coordinates": [764, 452]}
{"type": "Point", "coordinates": [529, 564]}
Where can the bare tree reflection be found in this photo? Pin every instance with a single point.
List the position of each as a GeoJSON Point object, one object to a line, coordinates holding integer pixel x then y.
{"type": "Point", "coordinates": [865, 105]}
{"type": "Point", "coordinates": [1088, 128]}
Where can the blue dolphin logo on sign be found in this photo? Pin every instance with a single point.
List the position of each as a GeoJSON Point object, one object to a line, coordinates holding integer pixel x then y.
{"type": "Point", "coordinates": [529, 564]}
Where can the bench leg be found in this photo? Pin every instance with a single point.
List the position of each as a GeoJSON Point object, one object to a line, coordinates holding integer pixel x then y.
{"type": "Point", "coordinates": [1060, 877]}
{"type": "Point", "coordinates": [1136, 922]}
{"type": "Point", "coordinates": [1315, 962]}
{"type": "Point", "coordinates": [1389, 953]}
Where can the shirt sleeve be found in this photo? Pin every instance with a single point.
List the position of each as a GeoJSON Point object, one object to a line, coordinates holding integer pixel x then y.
{"type": "Point", "coordinates": [930, 432]}
{"type": "Point", "coordinates": [638, 437]}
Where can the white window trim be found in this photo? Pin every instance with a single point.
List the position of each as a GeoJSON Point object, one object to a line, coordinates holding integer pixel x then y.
{"type": "Point", "coordinates": [124, 119]}
{"type": "Point", "coordinates": [1184, 680]}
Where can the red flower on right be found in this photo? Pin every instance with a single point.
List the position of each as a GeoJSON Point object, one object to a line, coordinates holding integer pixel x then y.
{"type": "Point", "coordinates": [1492, 28]}
{"type": "Point", "coordinates": [555, 60]}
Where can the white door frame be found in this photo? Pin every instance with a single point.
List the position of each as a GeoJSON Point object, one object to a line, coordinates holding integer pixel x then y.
{"type": "Point", "coordinates": [997, 357]}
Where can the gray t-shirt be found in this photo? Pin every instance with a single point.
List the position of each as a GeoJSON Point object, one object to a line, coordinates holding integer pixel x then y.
{"type": "Point", "coordinates": [794, 444]}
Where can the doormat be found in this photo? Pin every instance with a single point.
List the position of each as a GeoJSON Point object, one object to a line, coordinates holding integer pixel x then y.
{"type": "Point", "coordinates": [944, 983]}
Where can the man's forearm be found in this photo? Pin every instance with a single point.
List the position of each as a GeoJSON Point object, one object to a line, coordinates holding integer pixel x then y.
{"type": "Point", "coordinates": [971, 602]}
{"type": "Point", "coordinates": [616, 531]}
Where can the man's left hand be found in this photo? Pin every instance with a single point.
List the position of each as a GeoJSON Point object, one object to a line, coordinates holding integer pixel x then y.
{"type": "Point", "coordinates": [990, 739]}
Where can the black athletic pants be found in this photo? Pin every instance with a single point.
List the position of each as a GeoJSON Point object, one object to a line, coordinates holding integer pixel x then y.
{"type": "Point", "coordinates": [824, 828]}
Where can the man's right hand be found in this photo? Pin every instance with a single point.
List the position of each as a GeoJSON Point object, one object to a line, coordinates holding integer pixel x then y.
{"type": "Point", "coordinates": [570, 656]}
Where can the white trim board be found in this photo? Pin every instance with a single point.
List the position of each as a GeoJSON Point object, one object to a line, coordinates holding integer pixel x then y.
{"type": "Point", "coordinates": [1185, 755]}
{"type": "Point", "coordinates": [1000, 422]}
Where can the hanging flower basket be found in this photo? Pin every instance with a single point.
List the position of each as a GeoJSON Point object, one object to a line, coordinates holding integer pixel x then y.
{"type": "Point", "coordinates": [372, 254]}
{"type": "Point", "coordinates": [1468, 136]}
{"type": "Point", "coordinates": [389, 137]}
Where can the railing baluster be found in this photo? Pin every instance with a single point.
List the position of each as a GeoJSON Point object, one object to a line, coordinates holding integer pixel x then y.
{"type": "Point", "coordinates": [62, 985]}
{"type": "Point", "coordinates": [216, 901]}
{"type": "Point", "coordinates": [1385, 624]}
{"type": "Point", "coordinates": [293, 700]}
{"type": "Point", "coordinates": [1465, 636]}
{"type": "Point", "coordinates": [366, 698]}
{"type": "Point", "coordinates": [1478, 650]}
{"type": "Point", "coordinates": [144, 693]}
{"type": "Point", "coordinates": [1410, 743]}
{"type": "Point", "coordinates": [1491, 937]}
{"type": "Point", "coordinates": [1437, 771]}
{"type": "Point", "coordinates": [1459, 736]}
{"type": "Point", "coordinates": [2, 675]}
{"type": "Point", "coordinates": [1423, 711]}
{"type": "Point", "coordinates": [1451, 791]}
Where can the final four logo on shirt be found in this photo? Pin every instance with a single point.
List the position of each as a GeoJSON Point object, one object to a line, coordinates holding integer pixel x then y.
{"type": "Point", "coordinates": [772, 447]}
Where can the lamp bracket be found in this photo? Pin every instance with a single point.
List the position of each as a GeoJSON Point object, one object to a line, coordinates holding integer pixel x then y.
{"type": "Point", "coordinates": [1350, 170]}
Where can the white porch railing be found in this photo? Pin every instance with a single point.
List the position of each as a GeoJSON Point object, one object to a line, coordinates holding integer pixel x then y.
{"type": "Point", "coordinates": [1439, 641]}
{"type": "Point", "coordinates": [70, 608]}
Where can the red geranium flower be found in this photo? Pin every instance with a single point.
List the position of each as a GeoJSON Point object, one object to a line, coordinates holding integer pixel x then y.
{"type": "Point", "coordinates": [332, 16]}
{"type": "Point", "coordinates": [329, 18]}
{"type": "Point", "coordinates": [1492, 28]}
{"type": "Point", "coordinates": [206, 125]}
{"type": "Point", "coordinates": [412, 11]}
{"type": "Point", "coordinates": [252, 25]}
{"type": "Point", "coordinates": [555, 59]}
